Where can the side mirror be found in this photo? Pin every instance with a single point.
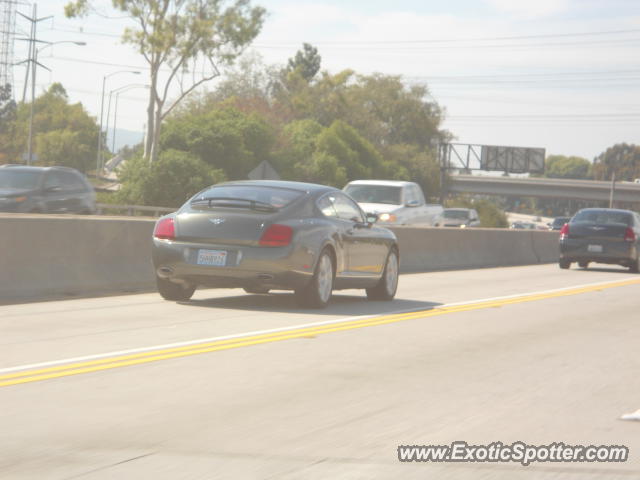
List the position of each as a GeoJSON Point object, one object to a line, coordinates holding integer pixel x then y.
{"type": "Point", "coordinates": [412, 203]}
{"type": "Point", "coordinates": [372, 217]}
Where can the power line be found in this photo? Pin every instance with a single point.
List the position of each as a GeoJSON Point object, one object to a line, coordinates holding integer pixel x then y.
{"type": "Point", "coordinates": [401, 42]}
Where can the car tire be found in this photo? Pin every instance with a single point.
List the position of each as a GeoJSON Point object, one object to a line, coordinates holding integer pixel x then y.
{"type": "Point", "coordinates": [564, 264]}
{"type": "Point", "coordinates": [583, 264]}
{"type": "Point", "coordinates": [317, 293]}
{"type": "Point", "coordinates": [256, 290]}
{"type": "Point", "coordinates": [635, 266]}
{"type": "Point", "coordinates": [175, 292]}
{"type": "Point", "coordinates": [388, 284]}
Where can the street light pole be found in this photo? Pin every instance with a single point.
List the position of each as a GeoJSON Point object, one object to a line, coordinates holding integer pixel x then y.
{"type": "Point", "coordinates": [99, 152]}
{"type": "Point", "coordinates": [118, 91]}
{"type": "Point", "coordinates": [33, 92]}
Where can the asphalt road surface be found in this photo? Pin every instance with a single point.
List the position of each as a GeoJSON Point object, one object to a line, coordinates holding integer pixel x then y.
{"type": "Point", "coordinates": [232, 385]}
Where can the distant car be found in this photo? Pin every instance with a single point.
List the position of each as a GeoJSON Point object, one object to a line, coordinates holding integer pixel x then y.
{"type": "Point", "coordinates": [523, 226]}
{"type": "Point", "coordinates": [458, 217]}
{"type": "Point", "coordinates": [26, 189]}
{"type": "Point", "coordinates": [394, 202]}
{"type": "Point", "coordinates": [601, 235]}
{"type": "Point", "coordinates": [263, 235]}
{"type": "Point", "coordinates": [558, 222]}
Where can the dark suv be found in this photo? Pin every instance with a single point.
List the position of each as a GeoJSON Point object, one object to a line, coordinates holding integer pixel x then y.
{"type": "Point", "coordinates": [45, 190]}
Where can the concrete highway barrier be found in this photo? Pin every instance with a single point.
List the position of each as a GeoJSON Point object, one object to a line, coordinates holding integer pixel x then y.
{"type": "Point", "coordinates": [427, 249]}
{"type": "Point", "coordinates": [47, 256]}
{"type": "Point", "coordinates": [55, 255]}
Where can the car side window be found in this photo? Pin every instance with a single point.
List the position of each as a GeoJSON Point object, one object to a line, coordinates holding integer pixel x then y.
{"type": "Point", "coordinates": [54, 179]}
{"type": "Point", "coordinates": [71, 182]}
{"type": "Point", "coordinates": [347, 209]}
{"type": "Point", "coordinates": [326, 206]}
{"type": "Point", "coordinates": [419, 195]}
{"type": "Point", "coordinates": [409, 195]}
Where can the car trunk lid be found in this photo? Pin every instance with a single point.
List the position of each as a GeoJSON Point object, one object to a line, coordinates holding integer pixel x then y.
{"type": "Point", "coordinates": [598, 231]}
{"type": "Point", "coordinates": [222, 227]}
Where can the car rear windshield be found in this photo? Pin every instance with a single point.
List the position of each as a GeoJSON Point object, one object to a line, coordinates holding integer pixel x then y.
{"type": "Point", "coordinates": [375, 194]}
{"type": "Point", "coordinates": [603, 217]}
{"type": "Point", "coordinates": [256, 197]}
{"type": "Point", "coordinates": [21, 179]}
{"type": "Point", "coordinates": [457, 214]}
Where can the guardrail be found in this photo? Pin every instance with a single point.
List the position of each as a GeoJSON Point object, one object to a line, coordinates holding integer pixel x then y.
{"type": "Point", "coordinates": [132, 210]}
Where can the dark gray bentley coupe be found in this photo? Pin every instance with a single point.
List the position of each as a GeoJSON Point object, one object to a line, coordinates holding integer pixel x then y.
{"type": "Point", "coordinates": [263, 235]}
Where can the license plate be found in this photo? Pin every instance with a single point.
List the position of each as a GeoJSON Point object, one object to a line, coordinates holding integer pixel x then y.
{"type": "Point", "coordinates": [594, 248]}
{"type": "Point", "coordinates": [216, 258]}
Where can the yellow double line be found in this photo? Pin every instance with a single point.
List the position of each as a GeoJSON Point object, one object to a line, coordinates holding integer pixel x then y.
{"type": "Point", "coordinates": [117, 361]}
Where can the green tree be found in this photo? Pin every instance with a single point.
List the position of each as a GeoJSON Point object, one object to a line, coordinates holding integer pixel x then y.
{"type": "Point", "coordinates": [333, 155]}
{"type": "Point", "coordinates": [7, 106]}
{"type": "Point", "coordinates": [388, 112]}
{"type": "Point", "coordinates": [623, 159]}
{"type": "Point", "coordinates": [63, 133]}
{"type": "Point", "coordinates": [7, 119]}
{"type": "Point", "coordinates": [183, 37]}
{"type": "Point", "coordinates": [64, 147]}
{"type": "Point", "coordinates": [169, 182]}
{"type": "Point", "coordinates": [421, 167]}
{"type": "Point", "coordinates": [559, 166]}
{"type": "Point", "coordinates": [224, 138]}
{"type": "Point", "coordinates": [358, 156]}
{"type": "Point", "coordinates": [306, 61]}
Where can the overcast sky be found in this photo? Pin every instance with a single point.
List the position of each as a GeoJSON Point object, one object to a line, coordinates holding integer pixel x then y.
{"type": "Point", "coordinates": [558, 74]}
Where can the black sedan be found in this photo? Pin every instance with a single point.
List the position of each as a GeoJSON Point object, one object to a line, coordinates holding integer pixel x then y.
{"type": "Point", "coordinates": [274, 235]}
{"type": "Point", "coordinates": [601, 235]}
{"type": "Point", "coordinates": [26, 189]}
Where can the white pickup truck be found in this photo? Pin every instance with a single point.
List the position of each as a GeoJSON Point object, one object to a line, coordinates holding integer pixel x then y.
{"type": "Point", "coordinates": [394, 202]}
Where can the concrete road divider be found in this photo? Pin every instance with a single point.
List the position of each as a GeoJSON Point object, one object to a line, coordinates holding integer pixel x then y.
{"type": "Point", "coordinates": [426, 249]}
{"type": "Point", "coordinates": [52, 256]}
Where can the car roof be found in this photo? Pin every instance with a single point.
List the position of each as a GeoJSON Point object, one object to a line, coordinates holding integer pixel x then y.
{"type": "Point", "coordinates": [308, 187]}
{"type": "Point", "coordinates": [34, 168]}
{"type": "Point", "coordinates": [389, 183]}
{"type": "Point", "coordinates": [616, 210]}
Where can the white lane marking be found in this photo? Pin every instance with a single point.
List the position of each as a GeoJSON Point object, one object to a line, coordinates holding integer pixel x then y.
{"type": "Point", "coordinates": [291, 327]}
{"type": "Point", "coordinates": [631, 416]}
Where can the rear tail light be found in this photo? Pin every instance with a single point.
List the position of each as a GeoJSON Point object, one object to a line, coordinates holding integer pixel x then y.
{"type": "Point", "coordinates": [629, 235]}
{"type": "Point", "coordinates": [564, 231]}
{"type": "Point", "coordinates": [165, 229]}
{"type": "Point", "coordinates": [276, 236]}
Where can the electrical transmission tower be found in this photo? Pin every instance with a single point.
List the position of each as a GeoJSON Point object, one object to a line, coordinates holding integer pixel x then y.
{"type": "Point", "coordinates": [7, 34]}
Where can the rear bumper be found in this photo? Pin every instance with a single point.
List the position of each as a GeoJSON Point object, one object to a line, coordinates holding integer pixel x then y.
{"type": "Point", "coordinates": [286, 268]}
{"type": "Point", "coordinates": [620, 253]}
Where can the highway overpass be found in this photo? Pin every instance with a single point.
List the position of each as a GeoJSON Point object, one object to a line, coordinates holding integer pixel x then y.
{"type": "Point", "coordinates": [625, 192]}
